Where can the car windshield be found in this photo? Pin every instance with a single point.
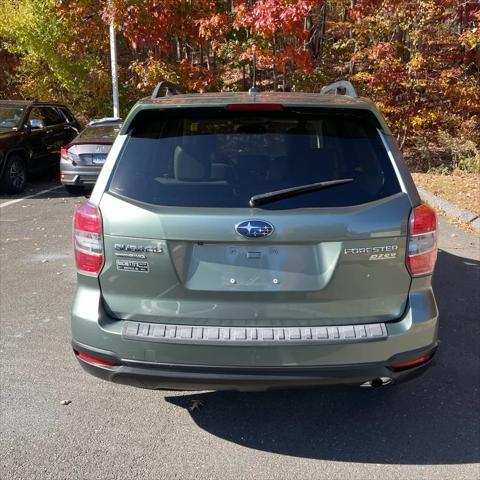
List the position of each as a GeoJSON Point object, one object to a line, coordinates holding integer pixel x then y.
{"type": "Point", "coordinates": [100, 132]}
{"type": "Point", "coordinates": [219, 158]}
{"type": "Point", "coordinates": [10, 117]}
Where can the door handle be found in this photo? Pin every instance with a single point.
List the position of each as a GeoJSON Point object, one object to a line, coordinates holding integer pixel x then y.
{"type": "Point", "coordinates": [49, 131]}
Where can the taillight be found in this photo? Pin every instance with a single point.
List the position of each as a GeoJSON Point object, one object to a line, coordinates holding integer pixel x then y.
{"type": "Point", "coordinates": [64, 152]}
{"type": "Point", "coordinates": [411, 363]}
{"type": "Point", "coordinates": [422, 241]}
{"type": "Point", "coordinates": [87, 240]}
{"type": "Point", "coordinates": [95, 360]}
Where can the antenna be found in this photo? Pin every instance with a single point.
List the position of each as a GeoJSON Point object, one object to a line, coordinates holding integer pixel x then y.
{"type": "Point", "coordinates": [253, 90]}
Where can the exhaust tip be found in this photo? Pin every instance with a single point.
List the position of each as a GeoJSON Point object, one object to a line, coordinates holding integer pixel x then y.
{"type": "Point", "coordinates": [377, 382]}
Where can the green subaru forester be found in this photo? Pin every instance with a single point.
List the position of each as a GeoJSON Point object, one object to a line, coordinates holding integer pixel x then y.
{"type": "Point", "coordinates": [252, 241]}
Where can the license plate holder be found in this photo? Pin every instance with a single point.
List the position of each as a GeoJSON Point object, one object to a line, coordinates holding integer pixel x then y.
{"type": "Point", "coordinates": [253, 267]}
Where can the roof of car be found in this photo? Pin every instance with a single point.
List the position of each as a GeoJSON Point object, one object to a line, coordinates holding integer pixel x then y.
{"type": "Point", "coordinates": [26, 103]}
{"type": "Point", "coordinates": [105, 121]}
{"type": "Point", "coordinates": [285, 98]}
{"type": "Point", "coordinates": [220, 99]}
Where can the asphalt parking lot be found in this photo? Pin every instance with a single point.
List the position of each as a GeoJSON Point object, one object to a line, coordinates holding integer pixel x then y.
{"type": "Point", "coordinates": [426, 429]}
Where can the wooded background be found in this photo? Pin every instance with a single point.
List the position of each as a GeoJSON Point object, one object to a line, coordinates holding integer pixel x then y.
{"type": "Point", "coordinates": [418, 60]}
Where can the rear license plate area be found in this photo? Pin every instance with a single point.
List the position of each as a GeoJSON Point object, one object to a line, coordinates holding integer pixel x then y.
{"type": "Point", "coordinates": [253, 267]}
{"type": "Point", "coordinates": [98, 159]}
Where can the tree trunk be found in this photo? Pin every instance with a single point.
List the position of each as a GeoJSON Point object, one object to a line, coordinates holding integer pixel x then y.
{"type": "Point", "coordinates": [178, 48]}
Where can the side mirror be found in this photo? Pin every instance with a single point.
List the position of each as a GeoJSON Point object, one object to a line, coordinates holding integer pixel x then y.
{"type": "Point", "coordinates": [35, 124]}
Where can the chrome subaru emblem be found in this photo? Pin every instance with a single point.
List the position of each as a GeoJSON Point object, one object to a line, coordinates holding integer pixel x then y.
{"type": "Point", "coordinates": [254, 228]}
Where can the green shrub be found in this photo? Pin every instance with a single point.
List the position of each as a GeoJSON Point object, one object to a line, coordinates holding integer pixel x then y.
{"type": "Point", "coordinates": [464, 153]}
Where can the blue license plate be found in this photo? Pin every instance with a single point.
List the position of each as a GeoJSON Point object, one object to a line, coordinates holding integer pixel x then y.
{"type": "Point", "coordinates": [99, 159]}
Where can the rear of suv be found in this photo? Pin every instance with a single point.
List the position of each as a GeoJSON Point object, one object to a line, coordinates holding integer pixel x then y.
{"type": "Point", "coordinates": [251, 241]}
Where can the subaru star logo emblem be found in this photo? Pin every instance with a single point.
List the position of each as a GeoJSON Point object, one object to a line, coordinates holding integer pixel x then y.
{"type": "Point", "coordinates": [254, 228]}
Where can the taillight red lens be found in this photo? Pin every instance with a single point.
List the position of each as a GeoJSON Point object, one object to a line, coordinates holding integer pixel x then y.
{"type": "Point", "coordinates": [411, 363]}
{"type": "Point", "coordinates": [87, 240]}
{"type": "Point", "coordinates": [64, 151]}
{"type": "Point", "coordinates": [254, 106]}
{"type": "Point", "coordinates": [422, 241]}
{"type": "Point", "coordinates": [423, 220]}
{"type": "Point", "coordinates": [422, 264]}
{"type": "Point", "coordinates": [95, 360]}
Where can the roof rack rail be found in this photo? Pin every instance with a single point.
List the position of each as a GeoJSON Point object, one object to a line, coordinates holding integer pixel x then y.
{"type": "Point", "coordinates": [343, 87]}
{"type": "Point", "coordinates": [165, 89]}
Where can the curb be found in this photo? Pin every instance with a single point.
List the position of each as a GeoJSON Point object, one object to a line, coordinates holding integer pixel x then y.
{"type": "Point", "coordinates": [452, 210]}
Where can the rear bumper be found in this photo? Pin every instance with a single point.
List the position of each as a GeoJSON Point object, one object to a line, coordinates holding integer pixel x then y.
{"type": "Point", "coordinates": [187, 377]}
{"type": "Point", "coordinates": [81, 175]}
{"type": "Point", "coordinates": [180, 364]}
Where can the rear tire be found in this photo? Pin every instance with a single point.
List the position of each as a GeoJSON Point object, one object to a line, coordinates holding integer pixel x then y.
{"type": "Point", "coordinates": [75, 189]}
{"type": "Point", "coordinates": [14, 176]}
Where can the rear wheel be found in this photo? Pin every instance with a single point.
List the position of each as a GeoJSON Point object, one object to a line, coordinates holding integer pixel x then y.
{"type": "Point", "coordinates": [14, 175]}
{"type": "Point", "coordinates": [75, 189]}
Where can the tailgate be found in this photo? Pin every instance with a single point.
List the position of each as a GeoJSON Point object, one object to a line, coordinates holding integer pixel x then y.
{"type": "Point", "coordinates": [319, 266]}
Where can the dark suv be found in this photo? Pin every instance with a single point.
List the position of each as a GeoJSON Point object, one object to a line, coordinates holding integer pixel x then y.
{"type": "Point", "coordinates": [31, 135]}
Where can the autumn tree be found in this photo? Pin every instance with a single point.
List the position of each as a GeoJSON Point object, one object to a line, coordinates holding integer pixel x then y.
{"type": "Point", "coordinates": [418, 60]}
{"type": "Point", "coordinates": [414, 60]}
{"type": "Point", "coordinates": [53, 61]}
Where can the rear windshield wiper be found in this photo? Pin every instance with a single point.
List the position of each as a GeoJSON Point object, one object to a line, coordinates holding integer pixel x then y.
{"type": "Point", "coordinates": [269, 197]}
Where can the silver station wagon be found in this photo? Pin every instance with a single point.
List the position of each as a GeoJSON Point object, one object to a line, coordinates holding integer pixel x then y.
{"type": "Point", "coordinates": [249, 241]}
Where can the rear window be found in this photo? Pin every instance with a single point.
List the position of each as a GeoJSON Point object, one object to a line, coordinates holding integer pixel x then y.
{"type": "Point", "coordinates": [218, 158]}
{"type": "Point", "coordinates": [51, 116]}
{"type": "Point", "coordinates": [67, 114]}
{"type": "Point", "coordinates": [100, 132]}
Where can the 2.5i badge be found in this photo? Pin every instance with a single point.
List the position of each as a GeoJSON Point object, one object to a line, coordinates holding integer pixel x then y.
{"type": "Point", "coordinates": [132, 266]}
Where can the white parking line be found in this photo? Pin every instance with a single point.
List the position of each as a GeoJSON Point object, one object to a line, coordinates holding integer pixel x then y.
{"type": "Point", "coordinates": [11, 202]}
